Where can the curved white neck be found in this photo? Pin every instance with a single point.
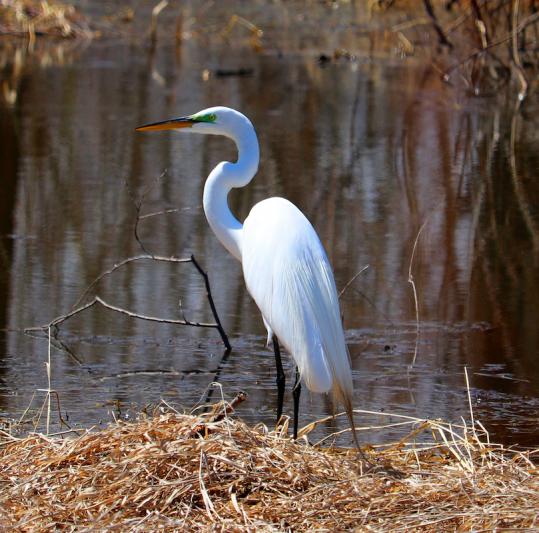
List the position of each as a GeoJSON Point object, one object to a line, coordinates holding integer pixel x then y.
{"type": "Point", "coordinates": [224, 177]}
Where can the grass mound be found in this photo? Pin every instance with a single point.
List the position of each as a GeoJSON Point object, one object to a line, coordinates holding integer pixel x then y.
{"type": "Point", "coordinates": [186, 472]}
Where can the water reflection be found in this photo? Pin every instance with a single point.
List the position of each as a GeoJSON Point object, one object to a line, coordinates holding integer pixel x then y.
{"type": "Point", "coordinates": [368, 151]}
{"type": "Point", "coordinates": [7, 201]}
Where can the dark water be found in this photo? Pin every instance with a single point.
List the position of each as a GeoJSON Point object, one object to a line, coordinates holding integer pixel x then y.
{"type": "Point", "coordinates": [369, 150]}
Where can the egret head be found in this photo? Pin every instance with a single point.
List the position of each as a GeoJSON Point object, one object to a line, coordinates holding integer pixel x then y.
{"type": "Point", "coordinates": [214, 120]}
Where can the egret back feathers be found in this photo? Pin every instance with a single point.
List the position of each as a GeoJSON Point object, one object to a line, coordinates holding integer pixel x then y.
{"type": "Point", "coordinates": [288, 275]}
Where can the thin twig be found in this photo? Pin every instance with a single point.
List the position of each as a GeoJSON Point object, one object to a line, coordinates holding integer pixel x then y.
{"type": "Point", "coordinates": [27, 409]}
{"type": "Point", "coordinates": [440, 32]}
{"type": "Point", "coordinates": [352, 279]}
{"type": "Point", "coordinates": [218, 370]}
{"type": "Point", "coordinates": [412, 282]}
{"type": "Point", "coordinates": [139, 202]}
{"type": "Point", "coordinates": [50, 392]}
{"type": "Point", "coordinates": [516, 57]}
{"type": "Point", "coordinates": [48, 364]}
{"type": "Point", "coordinates": [526, 22]}
{"type": "Point", "coordinates": [168, 211]}
{"type": "Point", "coordinates": [228, 408]}
{"type": "Point", "coordinates": [472, 419]}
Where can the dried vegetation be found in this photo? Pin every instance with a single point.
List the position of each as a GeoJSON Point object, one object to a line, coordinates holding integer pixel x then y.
{"type": "Point", "coordinates": [42, 32]}
{"type": "Point", "coordinates": [484, 44]}
{"type": "Point", "coordinates": [31, 18]}
{"type": "Point", "coordinates": [186, 472]}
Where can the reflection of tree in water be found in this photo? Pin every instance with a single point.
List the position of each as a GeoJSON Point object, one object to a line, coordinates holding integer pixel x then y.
{"type": "Point", "coordinates": [18, 58]}
{"type": "Point", "coordinates": [506, 243]}
{"type": "Point", "coordinates": [9, 163]}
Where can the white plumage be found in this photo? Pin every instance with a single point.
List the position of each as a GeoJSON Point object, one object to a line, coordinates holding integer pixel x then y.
{"type": "Point", "coordinates": [285, 266]}
{"type": "Point", "coordinates": [288, 275]}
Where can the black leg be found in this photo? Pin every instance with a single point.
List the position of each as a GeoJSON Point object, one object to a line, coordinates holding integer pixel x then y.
{"type": "Point", "coordinates": [280, 377]}
{"type": "Point", "coordinates": [296, 394]}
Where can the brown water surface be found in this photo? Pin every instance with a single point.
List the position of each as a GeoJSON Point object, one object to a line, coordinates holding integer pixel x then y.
{"type": "Point", "coordinates": [371, 151]}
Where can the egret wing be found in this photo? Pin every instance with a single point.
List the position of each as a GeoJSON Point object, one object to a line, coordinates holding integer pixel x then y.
{"type": "Point", "coordinates": [288, 275]}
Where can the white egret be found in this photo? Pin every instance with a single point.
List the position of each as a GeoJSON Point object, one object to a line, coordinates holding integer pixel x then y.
{"type": "Point", "coordinates": [285, 267]}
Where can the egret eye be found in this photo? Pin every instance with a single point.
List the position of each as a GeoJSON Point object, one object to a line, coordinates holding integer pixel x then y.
{"type": "Point", "coordinates": [210, 117]}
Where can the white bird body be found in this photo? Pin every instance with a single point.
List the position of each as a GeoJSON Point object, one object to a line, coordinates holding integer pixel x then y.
{"type": "Point", "coordinates": [288, 275]}
{"type": "Point", "coordinates": [285, 267]}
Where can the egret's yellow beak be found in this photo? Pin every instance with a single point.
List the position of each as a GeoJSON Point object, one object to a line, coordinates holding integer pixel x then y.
{"type": "Point", "coordinates": [173, 124]}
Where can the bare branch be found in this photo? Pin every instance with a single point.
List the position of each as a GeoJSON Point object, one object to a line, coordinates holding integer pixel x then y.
{"type": "Point", "coordinates": [98, 300]}
{"type": "Point", "coordinates": [439, 31]}
{"type": "Point", "coordinates": [61, 318]}
{"type": "Point", "coordinates": [52, 328]}
{"type": "Point", "coordinates": [153, 318]}
{"type": "Point", "coordinates": [126, 261]}
{"type": "Point", "coordinates": [212, 305]}
{"type": "Point", "coordinates": [531, 19]}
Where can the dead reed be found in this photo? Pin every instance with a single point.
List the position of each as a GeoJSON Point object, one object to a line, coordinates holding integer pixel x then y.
{"type": "Point", "coordinates": [45, 17]}
{"type": "Point", "coordinates": [199, 472]}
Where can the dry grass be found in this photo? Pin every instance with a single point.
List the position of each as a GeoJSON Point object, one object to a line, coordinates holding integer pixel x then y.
{"type": "Point", "coordinates": [185, 472]}
{"type": "Point", "coordinates": [43, 17]}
